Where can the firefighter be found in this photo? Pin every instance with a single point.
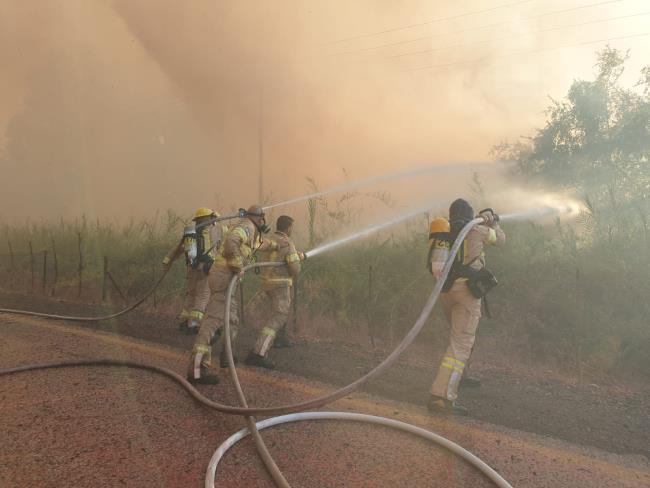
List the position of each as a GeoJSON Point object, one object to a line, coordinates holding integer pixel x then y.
{"type": "Point", "coordinates": [276, 285]}
{"type": "Point", "coordinates": [242, 240]}
{"type": "Point", "coordinates": [199, 244]}
{"type": "Point", "coordinates": [467, 279]}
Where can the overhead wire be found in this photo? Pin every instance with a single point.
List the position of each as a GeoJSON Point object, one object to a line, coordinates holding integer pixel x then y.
{"type": "Point", "coordinates": [429, 22]}
{"type": "Point", "coordinates": [534, 51]}
{"type": "Point", "coordinates": [480, 27]}
{"type": "Point", "coordinates": [513, 36]}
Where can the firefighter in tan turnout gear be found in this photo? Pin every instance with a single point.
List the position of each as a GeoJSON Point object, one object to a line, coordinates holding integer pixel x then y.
{"type": "Point", "coordinates": [461, 297]}
{"type": "Point", "coordinates": [238, 246]}
{"type": "Point", "coordinates": [199, 243]}
{"type": "Point", "coordinates": [276, 285]}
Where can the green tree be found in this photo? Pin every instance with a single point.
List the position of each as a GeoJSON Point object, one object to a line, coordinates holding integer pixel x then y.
{"type": "Point", "coordinates": [596, 140]}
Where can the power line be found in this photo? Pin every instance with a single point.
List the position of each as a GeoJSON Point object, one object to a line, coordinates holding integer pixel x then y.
{"type": "Point", "coordinates": [518, 53]}
{"type": "Point", "coordinates": [487, 26]}
{"type": "Point", "coordinates": [428, 22]}
{"type": "Point", "coordinates": [548, 29]}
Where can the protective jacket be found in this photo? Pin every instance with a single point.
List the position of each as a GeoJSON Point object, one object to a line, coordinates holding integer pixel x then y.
{"type": "Point", "coordinates": [471, 254]}
{"type": "Point", "coordinates": [240, 244]}
{"type": "Point", "coordinates": [285, 252]}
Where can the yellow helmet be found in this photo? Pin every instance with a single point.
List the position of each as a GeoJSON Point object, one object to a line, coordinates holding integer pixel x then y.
{"type": "Point", "coordinates": [205, 212]}
{"type": "Point", "coordinates": [439, 224]}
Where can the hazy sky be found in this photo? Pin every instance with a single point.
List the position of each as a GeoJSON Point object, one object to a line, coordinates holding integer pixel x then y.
{"type": "Point", "coordinates": [123, 107]}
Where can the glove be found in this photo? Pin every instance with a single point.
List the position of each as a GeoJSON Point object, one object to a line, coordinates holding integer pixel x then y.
{"type": "Point", "coordinates": [489, 217]}
{"type": "Point", "coordinates": [302, 256]}
{"type": "Point", "coordinates": [235, 264]}
{"type": "Point", "coordinates": [166, 262]}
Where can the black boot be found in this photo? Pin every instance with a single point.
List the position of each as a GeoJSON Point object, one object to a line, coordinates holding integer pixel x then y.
{"type": "Point", "coordinates": [259, 361]}
{"type": "Point", "coordinates": [223, 359]}
{"type": "Point", "coordinates": [442, 405]}
{"type": "Point", "coordinates": [205, 378]}
{"type": "Point", "coordinates": [190, 327]}
{"type": "Point", "coordinates": [469, 382]}
{"type": "Point", "coordinates": [190, 330]}
{"type": "Point", "coordinates": [282, 339]}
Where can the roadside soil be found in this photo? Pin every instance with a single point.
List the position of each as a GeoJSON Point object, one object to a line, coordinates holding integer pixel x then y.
{"type": "Point", "coordinates": [119, 427]}
{"type": "Point", "coordinates": [606, 414]}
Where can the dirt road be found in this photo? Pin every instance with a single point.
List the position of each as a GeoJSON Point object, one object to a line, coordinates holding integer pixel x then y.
{"type": "Point", "coordinates": [113, 427]}
{"type": "Point", "coordinates": [603, 414]}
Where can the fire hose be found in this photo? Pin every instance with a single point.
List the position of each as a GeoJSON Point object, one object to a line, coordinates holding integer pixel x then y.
{"type": "Point", "coordinates": [101, 318]}
{"type": "Point", "coordinates": [247, 411]}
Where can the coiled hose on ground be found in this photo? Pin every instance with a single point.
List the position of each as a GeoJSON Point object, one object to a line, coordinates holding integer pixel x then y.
{"type": "Point", "coordinates": [285, 409]}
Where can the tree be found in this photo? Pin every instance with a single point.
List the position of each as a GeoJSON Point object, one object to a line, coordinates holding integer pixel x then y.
{"type": "Point", "coordinates": [596, 140]}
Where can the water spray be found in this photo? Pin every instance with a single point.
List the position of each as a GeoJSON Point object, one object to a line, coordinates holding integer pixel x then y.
{"type": "Point", "coordinates": [364, 233]}
{"type": "Point", "coordinates": [534, 214]}
{"type": "Point", "coordinates": [443, 168]}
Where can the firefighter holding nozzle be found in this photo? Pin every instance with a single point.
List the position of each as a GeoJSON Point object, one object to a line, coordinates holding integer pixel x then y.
{"type": "Point", "coordinates": [277, 283]}
{"type": "Point", "coordinates": [464, 289]}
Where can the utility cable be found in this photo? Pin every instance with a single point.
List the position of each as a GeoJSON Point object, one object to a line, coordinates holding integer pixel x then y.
{"type": "Point", "coordinates": [514, 36]}
{"type": "Point", "coordinates": [534, 51]}
{"type": "Point", "coordinates": [479, 27]}
{"type": "Point", "coordinates": [429, 22]}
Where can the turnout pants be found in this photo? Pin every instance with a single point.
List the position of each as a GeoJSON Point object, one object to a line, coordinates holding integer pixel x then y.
{"type": "Point", "coordinates": [218, 281]}
{"type": "Point", "coordinates": [463, 312]}
{"type": "Point", "coordinates": [280, 306]}
{"type": "Point", "coordinates": [197, 295]}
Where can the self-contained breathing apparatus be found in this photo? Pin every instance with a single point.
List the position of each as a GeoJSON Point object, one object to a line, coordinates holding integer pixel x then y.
{"type": "Point", "coordinates": [479, 281]}
{"type": "Point", "coordinates": [197, 253]}
{"type": "Point", "coordinates": [194, 245]}
{"type": "Point", "coordinates": [438, 245]}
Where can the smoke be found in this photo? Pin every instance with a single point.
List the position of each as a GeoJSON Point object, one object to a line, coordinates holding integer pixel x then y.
{"type": "Point", "coordinates": [130, 107]}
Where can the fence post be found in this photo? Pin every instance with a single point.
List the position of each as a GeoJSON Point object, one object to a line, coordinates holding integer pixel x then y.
{"type": "Point", "coordinates": [13, 265]}
{"type": "Point", "coordinates": [371, 326]}
{"type": "Point", "coordinates": [119, 290]}
{"type": "Point", "coordinates": [81, 263]}
{"type": "Point", "coordinates": [578, 325]}
{"type": "Point", "coordinates": [56, 267]}
{"type": "Point", "coordinates": [44, 270]}
{"type": "Point", "coordinates": [153, 280]}
{"type": "Point", "coordinates": [105, 279]}
{"type": "Point", "coordinates": [31, 263]}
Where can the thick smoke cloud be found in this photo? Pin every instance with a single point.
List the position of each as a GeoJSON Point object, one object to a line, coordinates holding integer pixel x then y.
{"type": "Point", "coordinates": [129, 107]}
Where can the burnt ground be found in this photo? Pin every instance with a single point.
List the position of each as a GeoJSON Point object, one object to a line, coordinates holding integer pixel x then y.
{"type": "Point", "coordinates": [608, 415]}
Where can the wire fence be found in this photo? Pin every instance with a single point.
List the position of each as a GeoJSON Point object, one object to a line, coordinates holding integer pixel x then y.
{"type": "Point", "coordinates": [354, 290]}
{"type": "Point", "coordinates": [80, 271]}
